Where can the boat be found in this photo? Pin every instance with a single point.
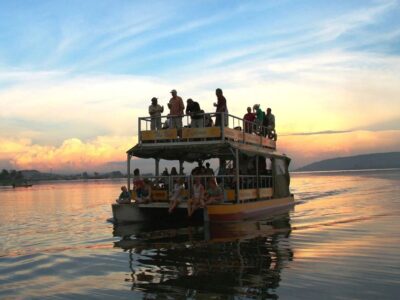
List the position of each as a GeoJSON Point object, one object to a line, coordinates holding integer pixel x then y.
{"type": "Point", "coordinates": [25, 185]}
{"type": "Point", "coordinates": [253, 174]}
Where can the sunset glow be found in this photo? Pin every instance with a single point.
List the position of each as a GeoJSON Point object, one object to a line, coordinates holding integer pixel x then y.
{"type": "Point", "coordinates": [71, 98]}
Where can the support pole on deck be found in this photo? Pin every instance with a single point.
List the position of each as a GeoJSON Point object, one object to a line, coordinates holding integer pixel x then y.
{"type": "Point", "coordinates": [180, 167]}
{"type": "Point", "coordinates": [157, 167]}
{"type": "Point", "coordinates": [237, 174]}
{"type": "Point", "coordinates": [257, 178]}
{"type": "Point", "coordinates": [128, 168]}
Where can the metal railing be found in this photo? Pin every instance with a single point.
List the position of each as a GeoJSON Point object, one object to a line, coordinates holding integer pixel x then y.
{"type": "Point", "coordinates": [249, 130]}
{"type": "Point", "coordinates": [225, 182]}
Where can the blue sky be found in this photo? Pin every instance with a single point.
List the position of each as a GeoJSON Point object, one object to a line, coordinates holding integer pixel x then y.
{"type": "Point", "coordinates": [77, 72]}
{"type": "Point", "coordinates": [147, 38]}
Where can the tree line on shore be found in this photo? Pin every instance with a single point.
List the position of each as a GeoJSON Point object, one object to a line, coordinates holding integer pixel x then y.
{"type": "Point", "coordinates": [10, 177]}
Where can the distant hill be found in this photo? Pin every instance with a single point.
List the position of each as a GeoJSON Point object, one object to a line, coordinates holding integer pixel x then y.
{"type": "Point", "coordinates": [358, 162]}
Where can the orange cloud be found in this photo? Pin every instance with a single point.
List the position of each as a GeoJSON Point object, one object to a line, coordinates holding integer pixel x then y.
{"type": "Point", "coordinates": [305, 149]}
{"type": "Point", "coordinates": [72, 155]}
{"type": "Point", "coordinates": [75, 155]}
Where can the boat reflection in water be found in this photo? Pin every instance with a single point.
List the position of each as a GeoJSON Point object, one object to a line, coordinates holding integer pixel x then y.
{"type": "Point", "coordinates": [235, 259]}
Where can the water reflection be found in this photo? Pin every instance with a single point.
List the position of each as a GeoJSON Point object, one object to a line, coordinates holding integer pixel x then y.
{"type": "Point", "coordinates": [220, 260]}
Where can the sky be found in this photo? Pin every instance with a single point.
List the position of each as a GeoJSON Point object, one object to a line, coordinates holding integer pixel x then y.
{"type": "Point", "coordinates": [76, 75]}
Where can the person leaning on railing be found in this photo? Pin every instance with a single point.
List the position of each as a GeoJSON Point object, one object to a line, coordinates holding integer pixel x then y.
{"type": "Point", "coordinates": [196, 114]}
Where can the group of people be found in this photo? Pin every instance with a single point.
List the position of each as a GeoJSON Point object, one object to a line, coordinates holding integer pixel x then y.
{"type": "Point", "coordinates": [200, 196]}
{"type": "Point", "coordinates": [177, 107]}
{"type": "Point", "coordinates": [260, 122]}
{"type": "Point", "coordinates": [256, 120]}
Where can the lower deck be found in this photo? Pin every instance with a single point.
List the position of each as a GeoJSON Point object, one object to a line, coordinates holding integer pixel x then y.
{"type": "Point", "coordinates": [222, 212]}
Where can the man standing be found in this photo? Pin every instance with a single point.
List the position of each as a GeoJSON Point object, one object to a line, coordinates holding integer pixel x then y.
{"type": "Point", "coordinates": [176, 108]}
{"type": "Point", "coordinates": [155, 111]}
{"type": "Point", "coordinates": [259, 117]}
{"type": "Point", "coordinates": [249, 120]}
{"type": "Point", "coordinates": [221, 108]}
{"type": "Point", "coordinates": [193, 109]}
{"type": "Point", "coordinates": [269, 123]}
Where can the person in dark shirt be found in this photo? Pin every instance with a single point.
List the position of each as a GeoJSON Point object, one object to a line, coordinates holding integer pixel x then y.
{"type": "Point", "coordinates": [221, 108]}
{"type": "Point", "coordinates": [209, 171]}
{"type": "Point", "coordinates": [269, 124]}
{"type": "Point", "coordinates": [196, 114]}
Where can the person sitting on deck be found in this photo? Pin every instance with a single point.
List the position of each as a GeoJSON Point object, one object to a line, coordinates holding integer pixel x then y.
{"type": "Point", "coordinates": [208, 121]}
{"type": "Point", "coordinates": [214, 193]}
{"type": "Point", "coordinates": [269, 124]}
{"type": "Point", "coordinates": [199, 170]}
{"type": "Point", "coordinates": [155, 111]}
{"type": "Point", "coordinates": [174, 172]}
{"type": "Point", "coordinates": [208, 170]}
{"type": "Point", "coordinates": [176, 196]}
{"type": "Point", "coordinates": [138, 184]}
{"type": "Point", "coordinates": [165, 172]}
{"type": "Point", "coordinates": [197, 199]}
{"type": "Point", "coordinates": [146, 192]}
{"type": "Point", "coordinates": [124, 197]}
{"type": "Point", "coordinates": [196, 114]}
{"type": "Point", "coordinates": [249, 119]}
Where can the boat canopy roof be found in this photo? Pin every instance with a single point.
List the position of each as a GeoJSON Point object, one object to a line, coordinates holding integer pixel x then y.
{"type": "Point", "coordinates": [200, 151]}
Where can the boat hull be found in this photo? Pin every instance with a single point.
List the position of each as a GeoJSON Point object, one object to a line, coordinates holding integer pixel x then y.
{"type": "Point", "coordinates": [132, 213]}
{"type": "Point", "coordinates": [249, 210]}
{"type": "Point", "coordinates": [227, 212]}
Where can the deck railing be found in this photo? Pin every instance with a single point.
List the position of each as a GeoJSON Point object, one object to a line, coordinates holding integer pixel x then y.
{"type": "Point", "coordinates": [230, 127]}
{"type": "Point", "coordinates": [250, 187]}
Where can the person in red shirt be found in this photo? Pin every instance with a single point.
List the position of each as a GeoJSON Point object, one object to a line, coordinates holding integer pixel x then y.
{"type": "Point", "coordinates": [138, 184]}
{"type": "Point", "coordinates": [249, 120]}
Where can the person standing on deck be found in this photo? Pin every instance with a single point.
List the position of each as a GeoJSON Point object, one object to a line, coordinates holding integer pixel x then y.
{"type": "Point", "coordinates": [221, 108]}
{"type": "Point", "coordinates": [269, 123]}
{"type": "Point", "coordinates": [259, 117]}
{"type": "Point", "coordinates": [249, 120]}
{"type": "Point", "coordinates": [155, 111]}
{"type": "Point", "coordinates": [176, 108]}
{"type": "Point", "coordinates": [196, 114]}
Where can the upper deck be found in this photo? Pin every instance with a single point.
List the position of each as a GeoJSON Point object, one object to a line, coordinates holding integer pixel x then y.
{"type": "Point", "coordinates": [235, 129]}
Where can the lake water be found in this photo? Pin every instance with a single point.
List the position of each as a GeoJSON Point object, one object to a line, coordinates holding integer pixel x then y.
{"type": "Point", "coordinates": [341, 241]}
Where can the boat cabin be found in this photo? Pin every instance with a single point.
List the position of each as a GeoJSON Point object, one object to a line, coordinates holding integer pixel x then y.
{"type": "Point", "coordinates": [250, 167]}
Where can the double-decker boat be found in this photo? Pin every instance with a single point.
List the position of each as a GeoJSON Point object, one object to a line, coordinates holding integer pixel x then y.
{"type": "Point", "coordinates": [253, 175]}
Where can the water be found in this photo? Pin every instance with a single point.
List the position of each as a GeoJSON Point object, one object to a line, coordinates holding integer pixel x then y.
{"type": "Point", "coordinates": [341, 241]}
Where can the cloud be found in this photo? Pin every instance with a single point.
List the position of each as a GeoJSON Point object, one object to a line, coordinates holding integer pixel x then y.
{"type": "Point", "coordinates": [104, 153]}
{"type": "Point", "coordinates": [73, 155]}
{"type": "Point", "coordinates": [317, 132]}
{"type": "Point", "coordinates": [305, 149]}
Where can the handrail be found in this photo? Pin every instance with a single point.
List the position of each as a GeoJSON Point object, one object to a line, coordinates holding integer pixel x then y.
{"type": "Point", "coordinates": [249, 131]}
{"type": "Point", "coordinates": [226, 182]}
